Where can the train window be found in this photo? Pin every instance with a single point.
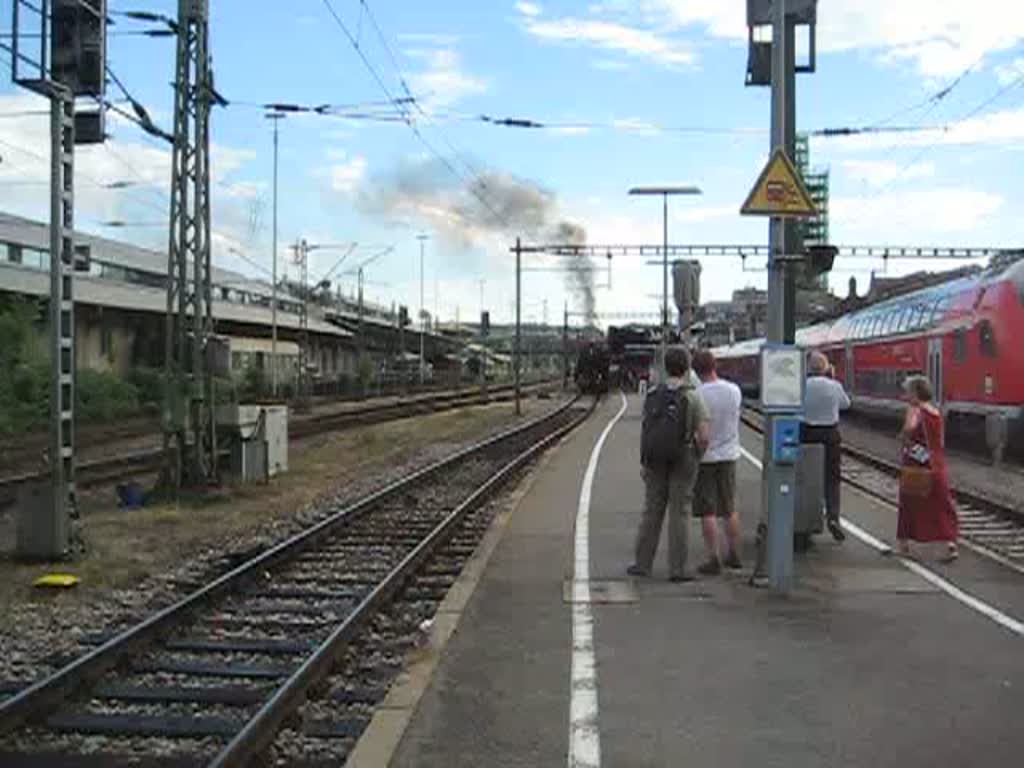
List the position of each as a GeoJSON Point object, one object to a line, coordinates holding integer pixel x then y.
{"type": "Point", "coordinates": [915, 316]}
{"type": "Point", "coordinates": [891, 319]}
{"type": "Point", "coordinates": [960, 345]}
{"type": "Point", "coordinates": [986, 339]}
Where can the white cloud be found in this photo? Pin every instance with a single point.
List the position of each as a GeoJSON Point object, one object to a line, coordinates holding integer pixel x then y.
{"type": "Point", "coordinates": [881, 173]}
{"type": "Point", "coordinates": [528, 9]}
{"type": "Point", "coordinates": [443, 82]}
{"type": "Point", "coordinates": [1009, 73]}
{"type": "Point", "coordinates": [941, 37]}
{"type": "Point", "coordinates": [916, 215]}
{"type": "Point", "coordinates": [938, 37]}
{"type": "Point", "coordinates": [630, 40]}
{"type": "Point", "coordinates": [124, 179]}
{"type": "Point", "coordinates": [346, 176]}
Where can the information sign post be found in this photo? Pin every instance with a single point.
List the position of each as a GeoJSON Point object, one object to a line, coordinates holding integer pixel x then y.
{"type": "Point", "coordinates": [782, 397]}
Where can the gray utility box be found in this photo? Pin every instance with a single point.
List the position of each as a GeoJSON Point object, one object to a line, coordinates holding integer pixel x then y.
{"type": "Point", "coordinates": [259, 440]}
{"type": "Point", "coordinates": [41, 534]}
{"type": "Point", "coordinates": [810, 490]}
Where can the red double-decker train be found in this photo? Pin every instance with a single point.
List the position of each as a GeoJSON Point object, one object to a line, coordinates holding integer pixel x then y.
{"type": "Point", "coordinates": [966, 336]}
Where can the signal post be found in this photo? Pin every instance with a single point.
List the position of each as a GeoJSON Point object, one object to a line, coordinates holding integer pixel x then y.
{"type": "Point", "coordinates": [779, 193]}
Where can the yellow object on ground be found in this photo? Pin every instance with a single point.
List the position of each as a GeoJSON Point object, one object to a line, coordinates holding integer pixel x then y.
{"type": "Point", "coordinates": [61, 580]}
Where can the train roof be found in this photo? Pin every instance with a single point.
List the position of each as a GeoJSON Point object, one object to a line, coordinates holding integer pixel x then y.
{"type": "Point", "coordinates": [917, 310]}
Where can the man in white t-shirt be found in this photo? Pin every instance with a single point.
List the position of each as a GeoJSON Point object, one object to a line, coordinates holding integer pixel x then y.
{"type": "Point", "coordinates": [715, 492]}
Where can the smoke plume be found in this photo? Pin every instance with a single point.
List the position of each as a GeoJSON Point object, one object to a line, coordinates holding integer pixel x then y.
{"type": "Point", "coordinates": [489, 208]}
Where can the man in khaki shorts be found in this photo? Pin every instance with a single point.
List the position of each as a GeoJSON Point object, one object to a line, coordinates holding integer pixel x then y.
{"type": "Point", "coordinates": [715, 491]}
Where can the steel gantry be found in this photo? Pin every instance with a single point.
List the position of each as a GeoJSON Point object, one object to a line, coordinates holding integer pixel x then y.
{"type": "Point", "coordinates": [190, 441]}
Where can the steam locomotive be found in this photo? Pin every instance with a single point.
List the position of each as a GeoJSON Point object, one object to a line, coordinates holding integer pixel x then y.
{"type": "Point", "coordinates": [593, 368]}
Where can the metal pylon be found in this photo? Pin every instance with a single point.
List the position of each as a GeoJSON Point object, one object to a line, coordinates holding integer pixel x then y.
{"type": "Point", "coordinates": [189, 426]}
{"type": "Point", "coordinates": [62, 314]}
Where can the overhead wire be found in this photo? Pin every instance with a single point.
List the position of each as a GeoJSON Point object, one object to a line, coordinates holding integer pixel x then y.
{"type": "Point", "coordinates": [970, 115]}
{"type": "Point", "coordinates": [459, 154]}
{"type": "Point", "coordinates": [410, 123]}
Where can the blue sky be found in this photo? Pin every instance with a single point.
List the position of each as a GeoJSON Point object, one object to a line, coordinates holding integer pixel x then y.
{"type": "Point", "coordinates": [626, 81]}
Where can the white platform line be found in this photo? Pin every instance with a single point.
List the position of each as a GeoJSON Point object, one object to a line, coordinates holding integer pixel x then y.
{"type": "Point", "coordinates": [965, 598]}
{"type": "Point", "coordinates": [584, 736]}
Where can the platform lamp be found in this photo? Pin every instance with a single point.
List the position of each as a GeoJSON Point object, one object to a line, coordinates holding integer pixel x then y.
{"type": "Point", "coordinates": [665, 192]}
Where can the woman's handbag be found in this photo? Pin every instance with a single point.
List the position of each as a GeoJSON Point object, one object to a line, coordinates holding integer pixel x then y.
{"type": "Point", "coordinates": [916, 472]}
{"type": "Point", "coordinates": [915, 482]}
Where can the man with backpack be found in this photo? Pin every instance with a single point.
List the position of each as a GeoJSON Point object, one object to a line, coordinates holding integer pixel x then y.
{"type": "Point", "coordinates": [673, 438]}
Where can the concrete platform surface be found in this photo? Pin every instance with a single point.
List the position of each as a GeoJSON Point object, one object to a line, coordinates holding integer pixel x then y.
{"type": "Point", "coordinates": [866, 664]}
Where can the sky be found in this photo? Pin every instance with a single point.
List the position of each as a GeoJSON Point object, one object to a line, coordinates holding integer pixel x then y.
{"type": "Point", "coordinates": [635, 92]}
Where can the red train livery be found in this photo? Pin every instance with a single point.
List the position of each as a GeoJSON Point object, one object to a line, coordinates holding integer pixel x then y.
{"type": "Point", "coordinates": [966, 335]}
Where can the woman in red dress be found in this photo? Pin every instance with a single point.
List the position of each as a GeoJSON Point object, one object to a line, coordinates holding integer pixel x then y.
{"type": "Point", "coordinates": [931, 517]}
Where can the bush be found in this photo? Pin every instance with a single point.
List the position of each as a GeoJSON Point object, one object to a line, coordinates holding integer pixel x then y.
{"type": "Point", "coordinates": [103, 396]}
{"type": "Point", "coordinates": [149, 385]}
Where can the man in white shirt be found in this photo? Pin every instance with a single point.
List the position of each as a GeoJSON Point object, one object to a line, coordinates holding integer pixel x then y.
{"type": "Point", "coordinates": [715, 493]}
{"type": "Point", "coordinates": [823, 400]}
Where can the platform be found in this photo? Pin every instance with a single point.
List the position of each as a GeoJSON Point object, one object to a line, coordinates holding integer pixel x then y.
{"type": "Point", "coordinates": [868, 663]}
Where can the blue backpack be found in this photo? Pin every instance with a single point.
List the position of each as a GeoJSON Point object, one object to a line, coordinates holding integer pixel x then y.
{"type": "Point", "coordinates": [663, 438]}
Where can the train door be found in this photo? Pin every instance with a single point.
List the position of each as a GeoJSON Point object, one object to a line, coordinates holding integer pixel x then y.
{"type": "Point", "coordinates": [848, 368]}
{"type": "Point", "coordinates": [935, 367]}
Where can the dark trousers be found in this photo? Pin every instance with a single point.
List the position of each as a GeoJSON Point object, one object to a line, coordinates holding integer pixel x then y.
{"type": "Point", "coordinates": [828, 437]}
{"type": "Point", "coordinates": [671, 489]}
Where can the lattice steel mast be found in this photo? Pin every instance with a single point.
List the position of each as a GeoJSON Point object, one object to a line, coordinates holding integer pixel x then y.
{"type": "Point", "coordinates": [189, 427]}
{"type": "Point", "coordinates": [59, 51]}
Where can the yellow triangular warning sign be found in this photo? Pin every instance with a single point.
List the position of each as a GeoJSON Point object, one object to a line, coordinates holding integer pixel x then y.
{"type": "Point", "coordinates": [779, 191]}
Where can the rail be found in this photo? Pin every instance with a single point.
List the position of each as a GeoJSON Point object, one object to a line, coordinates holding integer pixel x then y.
{"type": "Point", "coordinates": [35, 704]}
{"type": "Point", "coordinates": [110, 468]}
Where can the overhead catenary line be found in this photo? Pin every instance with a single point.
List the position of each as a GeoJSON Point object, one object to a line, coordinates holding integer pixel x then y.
{"type": "Point", "coordinates": [458, 153]}
{"type": "Point", "coordinates": [1017, 81]}
{"type": "Point", "coordinates": [408, 118]}
{"type": "Point", "coordinates": [934, 98]}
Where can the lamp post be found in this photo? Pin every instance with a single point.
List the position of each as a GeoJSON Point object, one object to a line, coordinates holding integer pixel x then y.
{"type": "Point", "coordinates": [423, 318]}
{"type": "Point", "coordinates": [276, 117]}
{"type": "Point", "coordinates": [665, 191]}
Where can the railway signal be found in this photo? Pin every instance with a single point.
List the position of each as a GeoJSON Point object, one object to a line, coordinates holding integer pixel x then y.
{"type": "Point", "coordinates": [70, 61]}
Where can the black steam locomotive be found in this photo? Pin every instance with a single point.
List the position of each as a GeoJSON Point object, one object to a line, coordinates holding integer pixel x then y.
{"type": "Point", "coordinates": [593, 364]}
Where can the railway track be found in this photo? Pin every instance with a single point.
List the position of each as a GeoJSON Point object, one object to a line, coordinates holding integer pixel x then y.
{"type": "Point", "coordinates": [285, 652]}
{"type": "Point", "coordinates": [987, 525]}
{"type": "Point", "coordinates": [119, 466]}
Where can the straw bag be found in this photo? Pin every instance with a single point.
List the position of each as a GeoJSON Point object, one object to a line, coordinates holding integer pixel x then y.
{"type": "Point", "coordinates": [915, 482]}
{"type": "Point", "coordinates": [916, 472]}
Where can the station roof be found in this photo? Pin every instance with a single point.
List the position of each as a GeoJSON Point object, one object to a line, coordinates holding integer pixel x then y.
{"type": "Point", "coordinates": [107, 292]}
{"type": "Point", "coordinates": [103, 292]}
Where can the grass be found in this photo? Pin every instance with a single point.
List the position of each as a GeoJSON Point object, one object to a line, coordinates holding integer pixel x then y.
{"type": "Point", "coordinates": [125, 547]}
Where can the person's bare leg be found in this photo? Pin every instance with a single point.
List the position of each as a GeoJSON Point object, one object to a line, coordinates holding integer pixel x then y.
{"type": "Point", "coordinates": [732, 533]}
{"type": "Point", "coordinates": [710, 527]}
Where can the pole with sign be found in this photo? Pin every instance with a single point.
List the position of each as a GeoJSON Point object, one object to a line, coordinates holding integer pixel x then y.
{"type": "Point", "coordinates": [779, 193]}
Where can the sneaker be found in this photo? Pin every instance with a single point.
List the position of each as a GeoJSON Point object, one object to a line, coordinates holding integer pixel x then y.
{"type": "Point", "coordinates": [636, 570]}
{"type": "Point", "coordinates": [733, 561]}
{"type": "Point", "coordinates": [836, 530]}
{"type": "Point", "coordinates": [680, 578]}
{"type": "Point", "coordinates": [710, 568]}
